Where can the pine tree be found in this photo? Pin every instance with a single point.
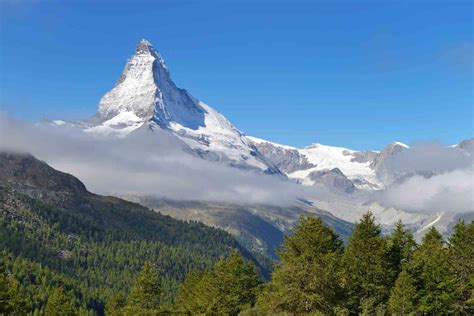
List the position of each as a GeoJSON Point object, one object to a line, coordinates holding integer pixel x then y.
{"type": "Point", "coordinates": [401, 247]}
{"type": "Point", "coordinates": [365, 266]}
{"type": "Point", "coordinates": [461, 258]}
{"type": "Point", "coordinates": [430, 270]}
{"type": "Point", "coordinates": [115, 304]}
{"type": "Point", "coordinates": [146, 292]}
{"type": "Point", "coordinates": [401, 301]}
{"type": "Point", "coordinates": [227, 290]}
{"type": "Point", "coordinates": [235, 282]}
{"type": "Point", "coordinates": [196, 293]}
{"type": "Point", "coordinates": [307, 279]}
{"type": "Point", "coordinates": [11, 300]}
{"type": "Point", "coordinates": [60, 303]}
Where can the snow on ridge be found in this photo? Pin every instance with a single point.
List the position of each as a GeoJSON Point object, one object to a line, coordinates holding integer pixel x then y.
{"type": "Point", "coordinates": [401, 144]}
{"type": "Point", "coordinates": [262, 141]}
{"type": "Point", "coordinates": [120, 125]}
{"type": "Point", "coordinates": [58, 122]}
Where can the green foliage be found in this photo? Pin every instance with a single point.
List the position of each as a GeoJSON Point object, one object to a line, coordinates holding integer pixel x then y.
{"type": "Point", "coordinates": [81, 255]}
{"type": "Point", "coordinates": [10, 295]}
{"type": "Point", "coordinates": [115, 304]}
{"type": "Point", "coordinates": [226, 290]}
{"type": "Point", "coordinates": [146, 292]}
{"type": "Point", "coordinates": [430, 269]}
{"type": "Point", "coordinates": [97, 245]}
{"type": "Point", "coordinates": [401, 248]}
{"type": "Point", "coordinates": [461, 259]}
{"type": "Point", "coordinates": [401, 301]}
{"type": "Point", "coordinates": [307, 279]}
{"type": "Point", "coordinates": [60, 303]}
{"type": "Point", "coordinates": [366, 266]}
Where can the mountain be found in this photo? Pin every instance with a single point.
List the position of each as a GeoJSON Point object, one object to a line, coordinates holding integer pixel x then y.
{"type": "Point", "coordinates": [145, 97]}
{"type": "Point", "coordinates": [146, 100]}
{"type": "Point", "coordinates": [303, 165]}
{"type": "Point", "coordinates": [356, 180]}
{"type": "Point", "coordinates": [53, 232]}
{"type": "Point", "coordinates": [260, 228]}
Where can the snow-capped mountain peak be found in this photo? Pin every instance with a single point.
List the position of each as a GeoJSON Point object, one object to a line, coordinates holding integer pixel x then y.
{"type": "Point", "coordinates": [145, 94]}
{"type": "Point", "coordinates": [146, 89]}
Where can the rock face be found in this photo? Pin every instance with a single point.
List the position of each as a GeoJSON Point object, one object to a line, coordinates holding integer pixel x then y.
{"type": "Point", "coordinates": [24, 172]}
{"type": "Point", "coordinates": [287, 160]}
{"type": "Point", "coordinates": [307, 165]}
{"type": "Point", "coordinates": [146, 97]}
{"type": "Point", "coordinates": [146, 89]}
{"type": "Point", "coordinates": [467, 145]}
{"type": "Point", "coordinates": [334, 179]}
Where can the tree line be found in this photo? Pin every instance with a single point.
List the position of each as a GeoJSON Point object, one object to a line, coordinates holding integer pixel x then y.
{"type": "Point", "coordinates": [373, 274]}
{"type": "Point", "coordinates": [91, 250]}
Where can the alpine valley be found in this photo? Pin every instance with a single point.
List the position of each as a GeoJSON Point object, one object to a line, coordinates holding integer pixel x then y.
{"type": "Point", "coordinates": [145, 101]}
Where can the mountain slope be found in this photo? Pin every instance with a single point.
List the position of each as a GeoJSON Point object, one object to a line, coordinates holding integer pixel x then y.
{"type": "Point", "coordinates": [145, 99]}
{"type": "Point", "coordinates": [93, 244]}
{"type": "Point", "coordinates": [260, 228]}
{"type": "Point", "coordinates": [145, 96]}
{"type": "Point", "coordinates": [300, 164]}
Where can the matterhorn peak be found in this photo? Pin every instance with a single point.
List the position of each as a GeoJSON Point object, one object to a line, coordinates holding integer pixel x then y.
{"type": "Point", "coordinates": [144, 46]}
{"type": "Point", "coordinates": [146, 90]}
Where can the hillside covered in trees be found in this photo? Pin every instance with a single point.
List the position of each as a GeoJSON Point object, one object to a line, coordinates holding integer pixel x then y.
{"type": "Point", "coordinates": [66, 251]}
{"type": "Point", "coordinates": [56, 238]}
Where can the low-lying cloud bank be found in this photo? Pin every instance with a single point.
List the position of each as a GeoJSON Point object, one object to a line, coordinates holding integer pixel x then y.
{"type": "Point", "coordinates": [155, 164]}
{"type": "Point", "coordinates": [145, 164]}
{"type": "Point", "coordinates": [448, 191]}
{"type": "Point", "coordinates": [442, 179]}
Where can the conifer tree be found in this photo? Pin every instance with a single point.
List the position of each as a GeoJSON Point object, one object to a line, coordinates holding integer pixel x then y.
{"type": "Point", "coordinates": [365, 266]}
{"type": "Point", "coordinates": [235, 282]}
{"type": "Point", "coordinates": [401, 247]}
{"type": "Point", "coordinates": [401, 301]}
{"type": "Point", "coordinates": [146, 292]}
{"type": "Point", "coordinates": [307, 279]}
{"type": "Point", "coordinates": [195, 293]}
{"type": "Point", "coordinates": [430, 270]}
{"type": "Point", "coordinates": [227, 290]}
{"type": "Point", "coordinates": [461, 258]}
{"type": "Point", "coordinates": [115, 304]}
{"type": "Point", "coordinates": [11, 301]}
{"type": "Point", "coordinates": [60, 303]}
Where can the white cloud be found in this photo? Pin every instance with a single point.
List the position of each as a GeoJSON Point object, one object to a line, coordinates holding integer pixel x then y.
{"type": "Point", "coordinates": [155, 164]}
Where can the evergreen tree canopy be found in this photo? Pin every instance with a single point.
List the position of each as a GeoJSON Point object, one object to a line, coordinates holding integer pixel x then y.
{"type": "Point", "coordinates": [227, 290]}
{"type": "Point", "coordinates": [307, 279]}
{"type": "Point", "coordinates": [401, 301]}
{"type": "Point", "coordinates": [461, 259]}
{"type": "Point", "coordinates": [401, 247]}
{"type": "Point", "coordinates": [365, 266]}
{"type": "Point", "coordinates": [146, 292]}
{"type": "Point", "coordinates": [115, 304]}
{"type": "Point", "coordinates": [10, 296]}
{"type": "Point", "coordinates": [60, 303]}
{"type": "Point", "coordinates": [430, 270]}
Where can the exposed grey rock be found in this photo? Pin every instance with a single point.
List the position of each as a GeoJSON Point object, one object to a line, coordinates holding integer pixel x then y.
{"type": "Point", "coordinates": [333, 178]}
{"type": "Point", "coordinates": [381, 163]}
{"type": "Point", "coordinates": [258, 227]}
{"type": "Point", "coordinates": [361, 156]}
{"type": "Point", "coordinates": [285, 159]}
{"type": "Point", "coordinates": [388, 152]}
{"type": "Point", "coordinates": [467, 145]}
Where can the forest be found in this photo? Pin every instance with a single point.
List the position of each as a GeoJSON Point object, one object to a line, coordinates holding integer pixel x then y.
{"type": "Point", "coordinates": [67, 251]}
{"type": "Point", "coordinates": [373, 274]}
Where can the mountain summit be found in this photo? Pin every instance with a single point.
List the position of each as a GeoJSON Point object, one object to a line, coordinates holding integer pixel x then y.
{"type": "Point", "coordinates": [145, 96]}
{"type": "Point", "coordinates": [146, 90]}
{"type": "Point", "coordinates": [145, 102]}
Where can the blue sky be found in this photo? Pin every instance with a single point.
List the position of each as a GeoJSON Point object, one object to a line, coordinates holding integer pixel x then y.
{"type": "Point", "coordinates": [357, 74]}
